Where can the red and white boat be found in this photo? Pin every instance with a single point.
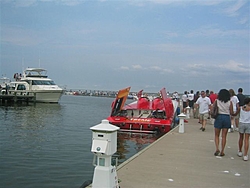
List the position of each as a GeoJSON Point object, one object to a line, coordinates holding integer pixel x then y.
{"type": "Point", "coordinates": [158, 114]}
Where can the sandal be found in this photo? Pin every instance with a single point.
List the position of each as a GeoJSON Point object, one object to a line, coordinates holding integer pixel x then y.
{"type": "Point", "coordinates": [217, 153]}
{"type": "Point", "coordinates": [222, 154]}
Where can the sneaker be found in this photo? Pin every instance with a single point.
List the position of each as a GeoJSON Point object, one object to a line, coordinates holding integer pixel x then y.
{"type": "Point", "coordinates": [237, 129]}
{"type": "Point", "coordinates": [239, 154]}
{"type": "Point", "coordinates": [203, 129]}
{"type": "Point", "coordinates": [229, 130]}
{"type": "Point", "coordinates": [232, 126]}
{"type": "Point", "coordinates": [245, 158]}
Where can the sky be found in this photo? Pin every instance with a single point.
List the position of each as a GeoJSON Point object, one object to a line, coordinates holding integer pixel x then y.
{"type": "Point", "coordinates": [145, 44]}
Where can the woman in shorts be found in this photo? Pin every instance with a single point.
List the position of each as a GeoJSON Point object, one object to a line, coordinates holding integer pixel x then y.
{"type": "Point", "coordinates": [244, 128]}
{"type": "Point", "coordinates": [223, 121]}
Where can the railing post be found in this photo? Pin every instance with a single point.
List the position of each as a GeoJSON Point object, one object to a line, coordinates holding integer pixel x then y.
{"type": "Point", "coordinates": [15, 97]}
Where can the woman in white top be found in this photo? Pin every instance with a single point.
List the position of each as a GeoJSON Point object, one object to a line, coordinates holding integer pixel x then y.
{"type": "Point", "coordinates": [223, 122]}
{"type": "Point", "coordinates": [244, 128]}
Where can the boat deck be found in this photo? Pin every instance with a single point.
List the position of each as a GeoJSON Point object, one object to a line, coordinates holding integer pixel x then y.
{"type": "Point", "coordinates": [186, 160]}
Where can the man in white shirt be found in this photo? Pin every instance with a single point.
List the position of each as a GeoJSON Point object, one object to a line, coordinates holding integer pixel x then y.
{"type": "Point", "coordinates": [204, 104]}
{"type": "Point", "coordinates": [191, 101]}
{"type": "Point", "coordinates": [184, 101]}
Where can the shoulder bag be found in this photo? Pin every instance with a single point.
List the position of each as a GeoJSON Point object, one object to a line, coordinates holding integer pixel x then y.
{"type": "Point", "coordinates": [215, 110]}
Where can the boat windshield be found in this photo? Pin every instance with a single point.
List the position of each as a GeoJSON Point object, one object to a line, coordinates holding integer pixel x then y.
{"type": "Point", "coordinates": [35, 72]}
{"type": "Point", "coordinates": [43, 82]}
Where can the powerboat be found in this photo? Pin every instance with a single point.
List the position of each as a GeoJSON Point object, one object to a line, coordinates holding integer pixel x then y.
{"type": "Point", "coordinates": [146, 115]}
{"type": "Point", "coordinates": [34, 81]}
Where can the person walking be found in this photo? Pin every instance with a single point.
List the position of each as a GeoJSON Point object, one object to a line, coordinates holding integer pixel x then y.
{"type": "Point", "coordinates": [184, 101]}
{"type": "Point", "coordinates": [213, 96]}
{"type": "Point", "coordinates": [244, 129]}
{"type": "Point", "coordinates": [241, 98]}
{"type": "Point", "coordinates": [196, 110]}
{"type": "Point", "coordinates": [223, 122]}
{"type": "Point", "coordinates": [191, 102]}
{"type": "Point", "coordinates": [235, 102]}
{"type": "Point", "coordinates": [204, 104]}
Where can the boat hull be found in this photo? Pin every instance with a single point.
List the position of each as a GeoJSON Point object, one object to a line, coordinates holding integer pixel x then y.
{"type": "Point", "coordinates": [142, 125]}
{"type": "Point", "coordinates": [48, 96]}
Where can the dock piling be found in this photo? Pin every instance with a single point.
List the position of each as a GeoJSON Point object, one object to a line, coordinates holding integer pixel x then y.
{"type": "Point", "coordinates": [181, 123]}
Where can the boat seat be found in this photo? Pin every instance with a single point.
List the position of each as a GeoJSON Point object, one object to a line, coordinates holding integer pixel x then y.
{"type": "Point", "coordinates": [144, 115]}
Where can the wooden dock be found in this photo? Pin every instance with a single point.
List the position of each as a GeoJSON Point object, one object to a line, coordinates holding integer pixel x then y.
{"type": "Point", "coordinates": [186, 160]}
{"type": "Point", "coordinates": [20, 96]}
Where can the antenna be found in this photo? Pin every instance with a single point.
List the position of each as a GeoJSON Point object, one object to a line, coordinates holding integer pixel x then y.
{"type": "Point", "coordinates": [22, 64]}
{"type": "Point", "coordinates": [0, 67]}
{"type": "Point", "coordinates": [39, 61]}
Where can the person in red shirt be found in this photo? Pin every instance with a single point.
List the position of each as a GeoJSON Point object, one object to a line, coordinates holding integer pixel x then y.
{"type": "Point", "coordinates": [212, 96]}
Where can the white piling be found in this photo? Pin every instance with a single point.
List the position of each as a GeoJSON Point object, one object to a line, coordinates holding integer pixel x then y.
{"type": "Point", "coordinates": [181, 122]}
{"type": "Point", "coordinates": [104, 144]}
{"type": "Point", "coordinates": [188, 112]}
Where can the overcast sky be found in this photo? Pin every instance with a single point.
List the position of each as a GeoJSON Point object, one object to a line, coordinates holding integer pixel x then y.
{"type": "Point", "coordinates": [109, 45]}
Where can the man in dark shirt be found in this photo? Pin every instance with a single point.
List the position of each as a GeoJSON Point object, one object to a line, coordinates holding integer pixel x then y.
{"type": "Point", "coordinates": [241, 98]}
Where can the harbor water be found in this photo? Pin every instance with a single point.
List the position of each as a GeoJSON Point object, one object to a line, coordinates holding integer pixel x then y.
{"type": "Point", "coordinates": [48, 145]}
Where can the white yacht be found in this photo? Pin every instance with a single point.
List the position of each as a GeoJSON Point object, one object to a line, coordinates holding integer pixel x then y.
{"type": "Point", "coordinates": [35, 80]}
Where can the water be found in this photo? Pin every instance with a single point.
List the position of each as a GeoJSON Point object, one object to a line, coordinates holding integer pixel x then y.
{"type": "Point", "coordinates": [48, 145]}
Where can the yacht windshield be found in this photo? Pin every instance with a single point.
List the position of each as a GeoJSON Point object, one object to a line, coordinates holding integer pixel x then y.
{"type": "Point", "coordinates": [43, 82]}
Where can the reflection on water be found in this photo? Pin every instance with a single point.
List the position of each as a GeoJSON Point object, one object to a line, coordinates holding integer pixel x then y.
{"type": "Point", "coordinates": [48, 145]}
{"type": "Point", "coordinates": [131, 143]}
{"type": "Point", "coordinates": [27, 122]}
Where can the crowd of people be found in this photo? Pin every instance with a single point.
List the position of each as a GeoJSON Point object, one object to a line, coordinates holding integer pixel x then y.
{"type": "Point", "coordinates": [233, 115]}
{"type": "Point", "coordinates": [17, 76]}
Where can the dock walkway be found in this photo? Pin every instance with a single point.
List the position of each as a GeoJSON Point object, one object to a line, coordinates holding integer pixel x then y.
{"type": "Point", "coordinates": [186, 160]}
{"type": "Point", "coordinates": [17, 96]}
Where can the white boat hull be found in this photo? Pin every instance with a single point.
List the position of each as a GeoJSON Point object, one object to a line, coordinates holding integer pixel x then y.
{"type": "Point", "coordinates": [48, 96]}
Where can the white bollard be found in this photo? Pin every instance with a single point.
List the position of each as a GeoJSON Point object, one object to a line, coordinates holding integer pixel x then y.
{"type": "Point", "coordinates": [104, 144]}
{"type": "Point", "coordinates": [188, 112]}
{"type": "Point", "coordinates": [181, 123]}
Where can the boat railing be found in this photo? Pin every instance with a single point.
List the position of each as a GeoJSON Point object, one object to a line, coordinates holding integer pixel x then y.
{"type": "Point", "coordinates": [17, 95]}
{"type": "Point", "coordinates": [21, 92]}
